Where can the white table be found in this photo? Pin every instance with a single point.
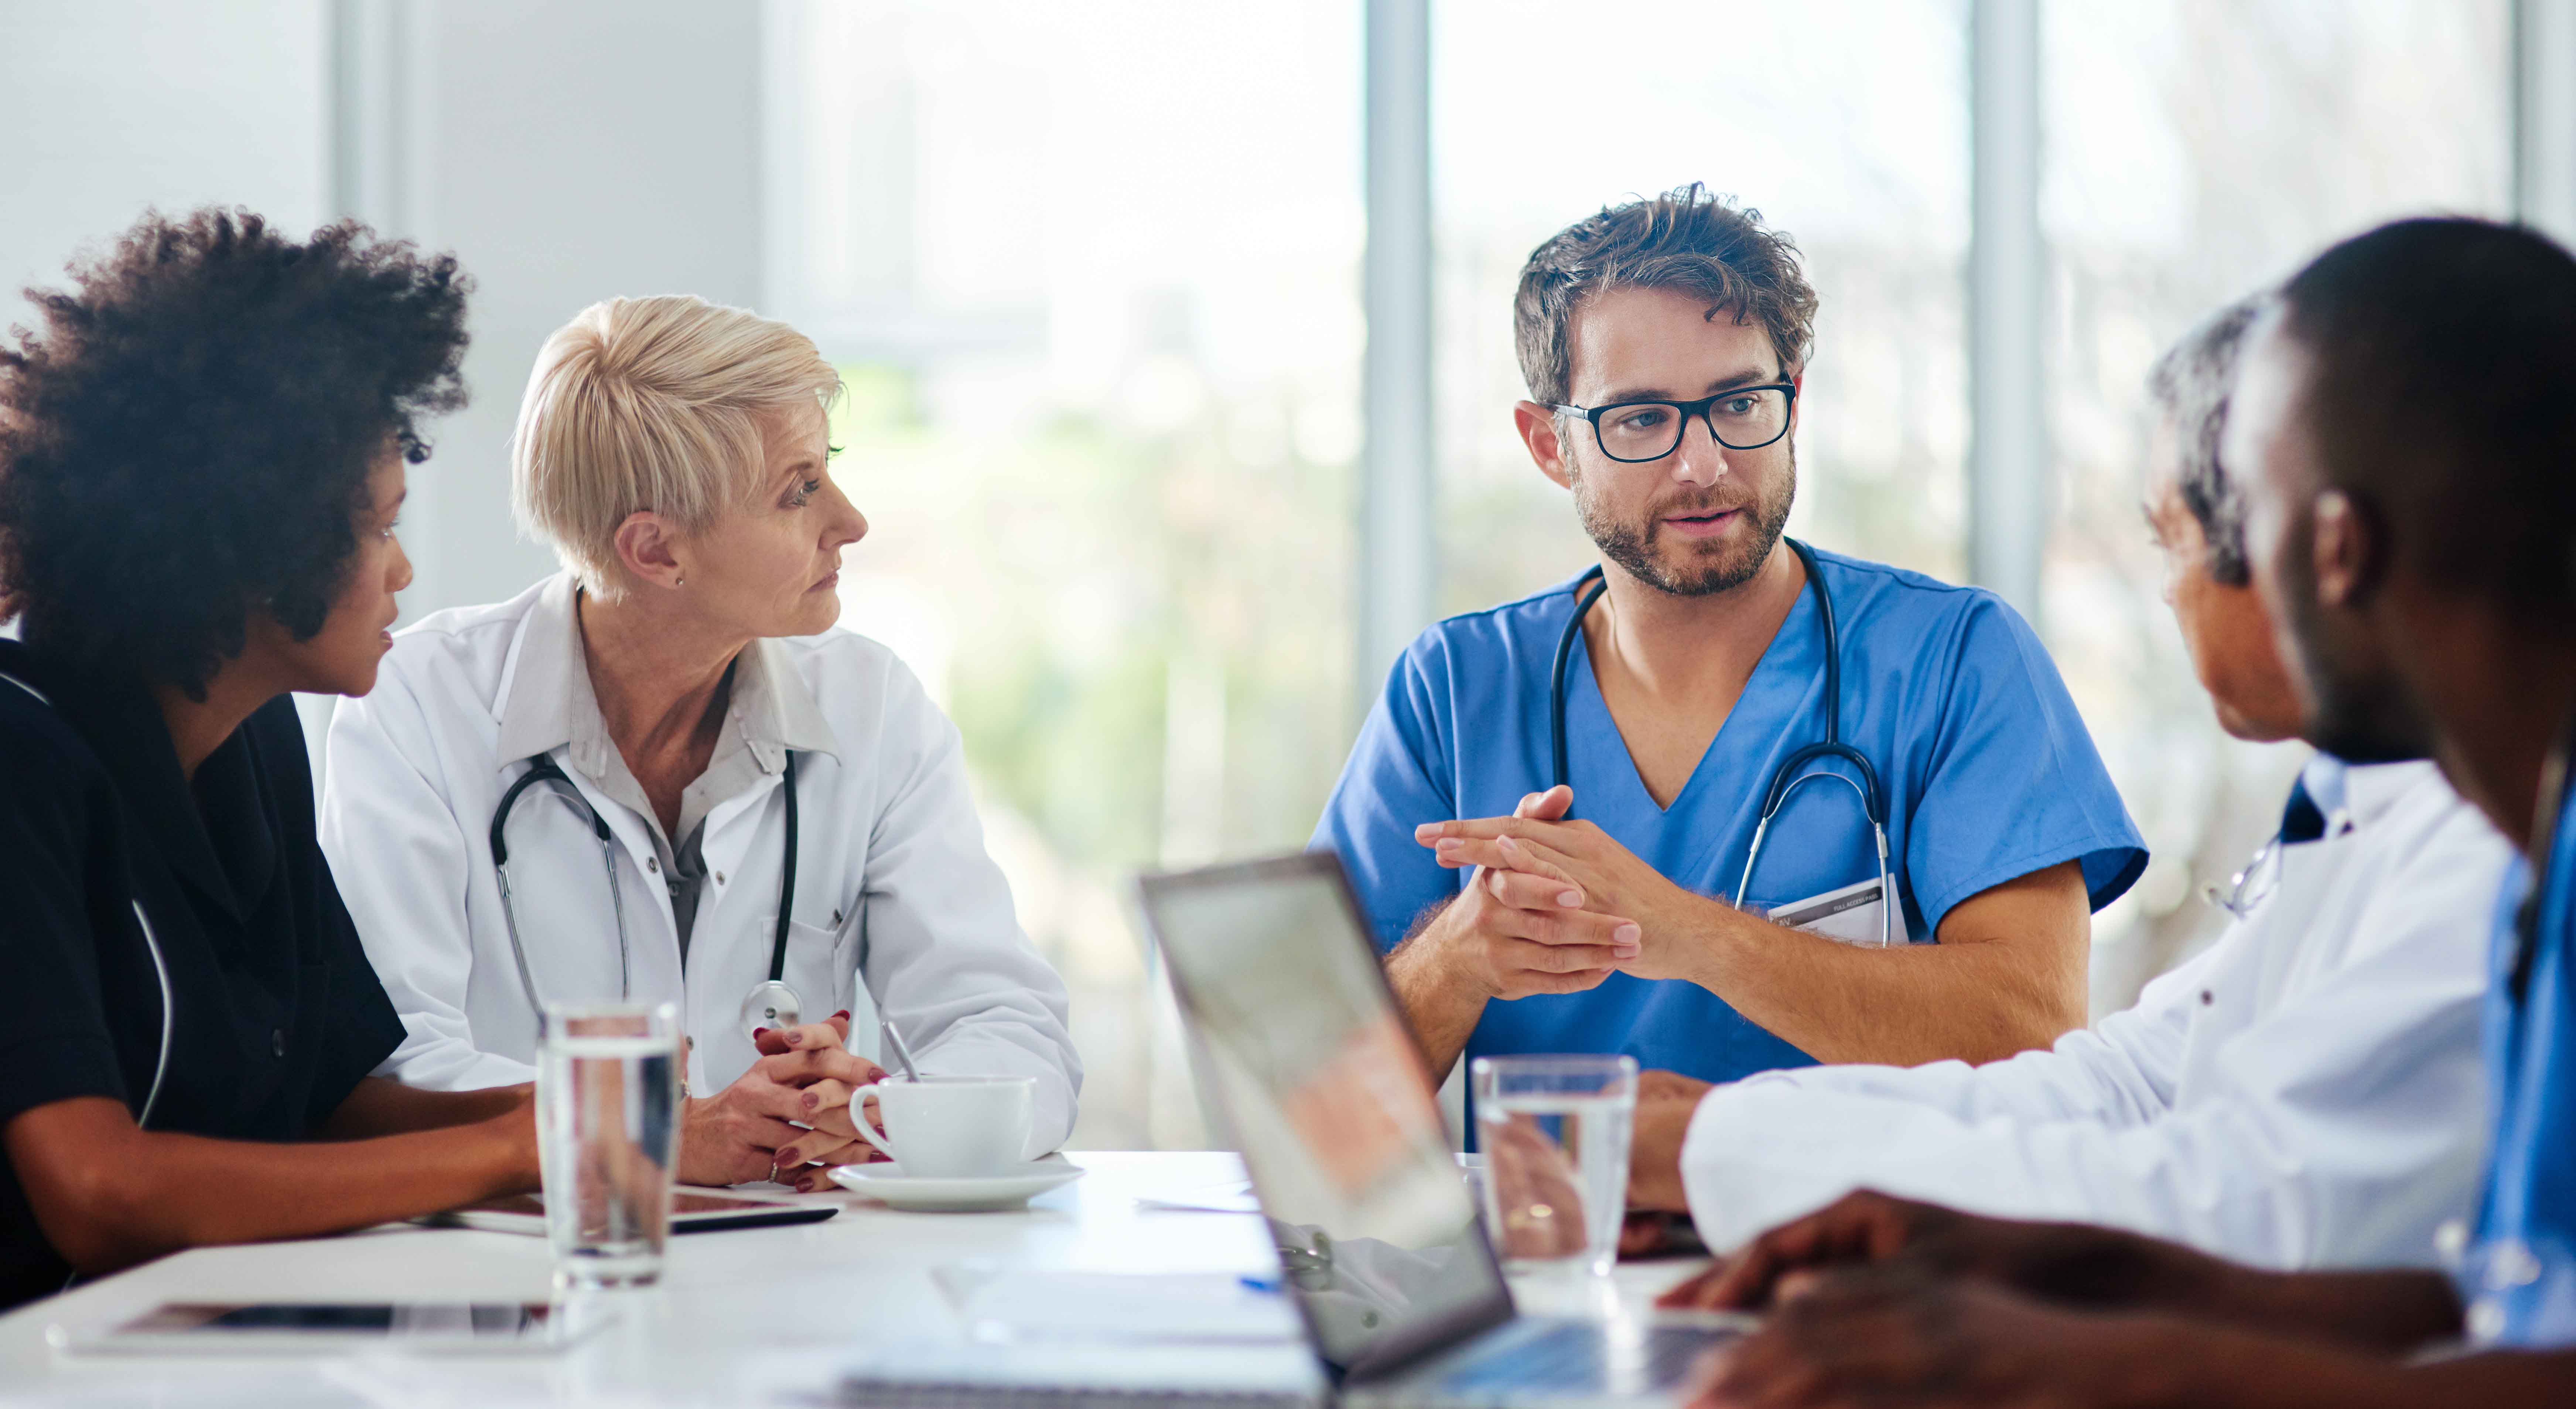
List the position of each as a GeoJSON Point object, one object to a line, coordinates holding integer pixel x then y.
{"type": "Point", "coordinates": [761, 1314]}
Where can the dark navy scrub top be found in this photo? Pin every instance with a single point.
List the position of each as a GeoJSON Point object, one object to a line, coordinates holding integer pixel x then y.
{"type": "Point", "coordinates": [1988, 772]}
{"type": "Point", "coordinates": [278, 1015]}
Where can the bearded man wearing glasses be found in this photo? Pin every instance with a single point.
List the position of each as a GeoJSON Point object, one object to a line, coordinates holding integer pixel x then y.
{"type": "Point", "coordinates": [1650, 810]}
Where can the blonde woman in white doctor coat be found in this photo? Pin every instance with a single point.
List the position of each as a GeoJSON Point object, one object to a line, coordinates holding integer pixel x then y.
{"type": "Point", "coordinates": [678, 672]}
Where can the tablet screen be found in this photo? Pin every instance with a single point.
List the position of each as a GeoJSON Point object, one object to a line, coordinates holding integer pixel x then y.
{"type": "Point", "coordinates": [447, 1320]}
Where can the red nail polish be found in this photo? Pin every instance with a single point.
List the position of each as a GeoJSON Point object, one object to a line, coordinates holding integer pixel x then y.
{"type": "Point", "coordinates": [842, 1014]}
{"type": "Point", "coordinates": [760, 1032]}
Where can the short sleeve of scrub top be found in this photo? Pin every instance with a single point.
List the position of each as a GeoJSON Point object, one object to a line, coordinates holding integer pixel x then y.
{"type": "Point", "coordinates": [2531, 1066]}
{"type": "Point", "coordinates": [54, 1040]}
{"type": "Point", "coordinates": [1987, 769]}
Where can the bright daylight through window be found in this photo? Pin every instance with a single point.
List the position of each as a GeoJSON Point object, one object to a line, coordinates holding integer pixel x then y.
{"type": "Point", "coordinates": [1098, 302]}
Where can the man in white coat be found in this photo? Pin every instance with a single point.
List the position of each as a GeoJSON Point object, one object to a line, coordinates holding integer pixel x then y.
{"type": "Point", "coordinates": [720, 800]}
{"type": "Point", "coordinates": [2306, 1093]}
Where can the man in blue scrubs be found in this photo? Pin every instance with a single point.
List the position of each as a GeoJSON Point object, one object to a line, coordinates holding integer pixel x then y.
{"type": "Point", "coordinates": [1664, 342]}
{"type": "Point", "coordinates": [2406, 420]}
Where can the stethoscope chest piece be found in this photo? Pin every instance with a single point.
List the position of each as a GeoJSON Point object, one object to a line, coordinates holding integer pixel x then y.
{"type": "Point", "coordinates": [773, 1005]}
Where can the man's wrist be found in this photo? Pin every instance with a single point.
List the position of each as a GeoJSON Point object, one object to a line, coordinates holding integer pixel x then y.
{"type": "Point", "coordinates": [1710, 930]}
{"type": "Point", "coordinates": [2150, 1361]}
{"type": "Point", "coordinates": [2175, 1277]}
{"type": "Point", "coordinates": [1427, 966]}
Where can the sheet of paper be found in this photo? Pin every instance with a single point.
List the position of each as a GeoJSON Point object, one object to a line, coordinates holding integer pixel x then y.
{"type": "Point", "coordinates": [1235, 1197]}
{"type": "Point", "coordinates": [1006, 1306]}
{"type": "Point", "coordinates": [1849, 914]}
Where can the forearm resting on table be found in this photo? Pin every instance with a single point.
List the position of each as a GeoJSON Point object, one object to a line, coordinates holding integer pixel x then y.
{"type": "Point", "coordinates": [2206, 1366]}
{"type": "Point", "coordinates": [2392, 1311]}
{"type": "Point", "coordinates": [378, 1106]}
{"type": "Point", "coordinates": [2007, 976]}
{"type": "Point", "coordinates": [108, 1194]}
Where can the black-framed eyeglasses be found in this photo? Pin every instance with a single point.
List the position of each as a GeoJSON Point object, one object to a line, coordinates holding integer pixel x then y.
{"type": "Point", "coordinates": [1742, 418]}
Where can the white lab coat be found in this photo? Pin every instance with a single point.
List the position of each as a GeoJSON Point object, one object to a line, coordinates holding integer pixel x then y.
{"type": "Point", "coordinates": [2307, 1093]}
{"type": "Point", "coordinates": [897, 904]}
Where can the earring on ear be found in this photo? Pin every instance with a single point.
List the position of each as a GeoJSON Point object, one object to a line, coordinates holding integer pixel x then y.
{"type": "Point", "coordinates": [680, 581]}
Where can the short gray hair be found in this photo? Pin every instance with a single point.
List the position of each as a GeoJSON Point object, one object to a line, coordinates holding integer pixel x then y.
{"type": "Point", "coordinates": [650, 403]}
{"type": "Point", "coordinates": [2189, 385]}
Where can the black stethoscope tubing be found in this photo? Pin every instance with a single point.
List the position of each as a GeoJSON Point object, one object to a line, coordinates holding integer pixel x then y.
{"type": "Point", "coordinates": [2526, 918]}
{"type": "Point", "coordinates": [543, 769]}
{"type": "Point", "coordinates": [1786, 777]}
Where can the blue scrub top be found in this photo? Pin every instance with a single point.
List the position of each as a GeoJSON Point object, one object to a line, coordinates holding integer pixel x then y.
{"type": "Point", "coordinates": [2531, 1068]}
{"type": "Point", "coordinates": [1988, 771]}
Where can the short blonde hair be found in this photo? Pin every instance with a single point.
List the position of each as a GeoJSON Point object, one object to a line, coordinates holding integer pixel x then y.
{"type": "Point", "coordinates": [650, 403]}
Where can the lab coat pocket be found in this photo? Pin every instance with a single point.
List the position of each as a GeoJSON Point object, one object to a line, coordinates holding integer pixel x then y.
{"type": "Point", "coordinates": [821, 963]}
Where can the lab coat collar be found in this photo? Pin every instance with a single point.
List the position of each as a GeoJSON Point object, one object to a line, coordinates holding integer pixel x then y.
{"type": "Point", "coordinates": [550, 703]}
{"type": "Point", "coordinates": [122, 724]}
{"type": "Point", "coordinates": [2355, 795]}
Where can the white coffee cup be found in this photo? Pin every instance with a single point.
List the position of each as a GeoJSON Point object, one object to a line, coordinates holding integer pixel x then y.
{"type": "Point", "coordinates": [952, 1127]}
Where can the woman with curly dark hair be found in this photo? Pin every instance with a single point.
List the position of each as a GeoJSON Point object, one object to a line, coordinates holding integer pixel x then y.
{"type": "Point", "coordinates": [202, 451]}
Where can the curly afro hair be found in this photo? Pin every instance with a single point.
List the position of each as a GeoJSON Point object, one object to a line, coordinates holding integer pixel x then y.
{"type": "Point", "coordinates": [186, 438]}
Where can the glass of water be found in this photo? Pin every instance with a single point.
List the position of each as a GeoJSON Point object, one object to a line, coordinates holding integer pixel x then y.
{"type": "Point", "coordinates": [608, 1133]}
{"type": "Point", "coordinates": [1555, 1136]}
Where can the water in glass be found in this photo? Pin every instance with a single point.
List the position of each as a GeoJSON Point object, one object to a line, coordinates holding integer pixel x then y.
{"type": "Point", "coordinates": [1555, 1131]}
{"type": "Point", "coordinates": [608, 1106]}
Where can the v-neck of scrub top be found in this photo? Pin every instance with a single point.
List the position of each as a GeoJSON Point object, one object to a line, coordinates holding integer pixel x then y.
{"type": "Point", "coordinates": [1681, 840]}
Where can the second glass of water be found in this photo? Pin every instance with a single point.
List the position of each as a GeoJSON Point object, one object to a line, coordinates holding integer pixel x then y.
{"type": "Point", "coordinates": [608, 1134]}
{"type": "Point", "coordinates": [1554, 1131]}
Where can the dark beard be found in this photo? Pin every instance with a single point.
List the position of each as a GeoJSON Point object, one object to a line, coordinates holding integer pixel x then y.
{"type": "Point", "coordinates": [1631, 546]}
{"type": "Point", "coordinates": [2359, 716]}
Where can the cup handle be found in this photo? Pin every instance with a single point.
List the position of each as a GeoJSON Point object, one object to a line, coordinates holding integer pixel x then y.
{"type": "Point", "coordinates": [859, 1120]}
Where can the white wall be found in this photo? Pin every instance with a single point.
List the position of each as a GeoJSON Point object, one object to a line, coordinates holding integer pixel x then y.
{"type": "Point", "coordinates": [567, 152]}
{"type": "Point", "coordinates": [112, 105]}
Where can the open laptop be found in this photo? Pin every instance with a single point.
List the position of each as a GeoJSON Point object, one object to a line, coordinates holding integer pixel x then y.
{"type": "Point", "coordinates": [1340, 1129]}
{"type": "Point", "coordinates": [1402, 1302]}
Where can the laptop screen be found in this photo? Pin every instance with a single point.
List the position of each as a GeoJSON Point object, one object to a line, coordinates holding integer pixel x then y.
{"type": "Point", "coordinates": [1339, 1127]}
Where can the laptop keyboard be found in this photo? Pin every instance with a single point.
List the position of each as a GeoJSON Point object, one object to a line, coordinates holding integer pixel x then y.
{"type": "Point", "coordinates": [1582, 1357]}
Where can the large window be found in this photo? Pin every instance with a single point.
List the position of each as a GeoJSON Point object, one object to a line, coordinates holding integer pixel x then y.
{"type": "Point", "coordinates": [2193, 151]}
{"type": "Point", "coordinates": [1845, 124]}
{"type": "Point", "coordinates": [1093, 274]}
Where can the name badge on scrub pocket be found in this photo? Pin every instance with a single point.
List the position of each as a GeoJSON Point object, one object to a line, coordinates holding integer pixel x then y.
{"type": "Point", "coordinates": [1849, 914]}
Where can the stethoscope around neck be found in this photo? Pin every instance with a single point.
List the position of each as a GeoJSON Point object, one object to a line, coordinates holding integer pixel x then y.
{"type": "Point", "coordinates": [1785, 779]}
{"type": "Point", "coordinates": [769, 1003]}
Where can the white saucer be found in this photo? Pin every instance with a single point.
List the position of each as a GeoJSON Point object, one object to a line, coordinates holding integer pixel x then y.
{"type": "Point", "coordinates": [986, 1193]}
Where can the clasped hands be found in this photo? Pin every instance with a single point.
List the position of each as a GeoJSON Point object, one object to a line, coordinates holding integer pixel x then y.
{"type": "Point", "coordinates": [1558, 905]}
{"type": "Point", "coordinates": [788, 1118]}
